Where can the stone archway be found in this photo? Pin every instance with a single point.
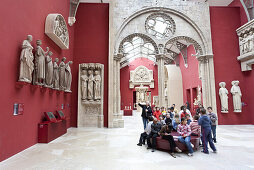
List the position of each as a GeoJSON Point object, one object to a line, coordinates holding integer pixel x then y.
{"type": "Point", "coordinates": [197, 34]}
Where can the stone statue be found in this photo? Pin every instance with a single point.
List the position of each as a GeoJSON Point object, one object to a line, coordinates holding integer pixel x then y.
{"type": "Point", "coordinates": [90, 85]}
{"type": "Point", "coordinates": [40, 63]}
{"type": "Point", "coordinates": [223, 92]}
{"type": "Point", "coordinates": [97, 85]}
{"type": "Point", "coordinates": [26, 61]}
{"type": "Point", "coordinates": [236, 92]}
{"type": "Point", "coordinates": [84, 80]}
{"type": "Point", "coordinates": [49, 70]}
{"type": "Point", "coordinates": [68, 76]}
{"type": "Point", "coordinates": [56, 75]}
{"type": "Point", "coordinates": [62, 74]}
{"type": "Point", "coordinates": [197, 101]}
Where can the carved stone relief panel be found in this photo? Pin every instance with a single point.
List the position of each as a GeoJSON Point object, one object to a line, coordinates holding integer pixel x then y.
{"type": "Point", "coordinates": [246, 45]}
{"type": "Point", "coordinates": [141, 75]}
{"type": "Point", "coordinates": [90, 95]}
{"type": "Point", "coordinates": [56, 29]}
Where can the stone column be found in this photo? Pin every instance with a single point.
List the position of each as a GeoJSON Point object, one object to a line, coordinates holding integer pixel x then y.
{"type": "Point", "coordinates": [117, 118]}
{"type": "Point", "coordinates": [208, 81]}
{"type": "Point", "coordinates": [111, 65]}
{"type": "Point", "coordinates": [161, 79]}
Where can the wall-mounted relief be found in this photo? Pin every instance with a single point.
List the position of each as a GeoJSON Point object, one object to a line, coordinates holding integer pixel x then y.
{"type": "Point", "coordinates": [141, 75]}
{"type": "Point", "coordinates": [237, 95]}
{"type": "Point", "coordinates": [90, 95]}
{"type": "Point", "coordinates": [246, 44]}
{"type": "Point", "coordinates": [223, 92]}
{"type": "Point", "coordinates": [56, 29]}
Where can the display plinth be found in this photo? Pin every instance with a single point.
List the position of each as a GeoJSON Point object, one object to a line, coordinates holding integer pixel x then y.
{"type": "Point", "coordinates": [127, 112]}
{"type": "Point", "coordinates": [48, 131]}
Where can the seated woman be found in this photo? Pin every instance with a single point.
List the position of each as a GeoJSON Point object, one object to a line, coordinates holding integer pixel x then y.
{"type": "Point", "coordinates": [165, 133]}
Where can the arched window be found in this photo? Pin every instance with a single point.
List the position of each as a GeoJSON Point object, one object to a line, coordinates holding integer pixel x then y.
{"type": "Point", "coordinates": [136, 46]}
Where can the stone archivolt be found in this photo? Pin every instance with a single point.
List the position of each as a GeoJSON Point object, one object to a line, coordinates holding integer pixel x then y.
{"type": "Point", "coordinates": [141, 76]}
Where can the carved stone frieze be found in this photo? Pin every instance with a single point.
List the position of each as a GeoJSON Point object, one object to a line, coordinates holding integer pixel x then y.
{"type": "Point", "coordinates": [56, 29]}
{"type": "Point", "coordinates": [246, 45]}
{"type": "Point", "coordinates": [141, 75]}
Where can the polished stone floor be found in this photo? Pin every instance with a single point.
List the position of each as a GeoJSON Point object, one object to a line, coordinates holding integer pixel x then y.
{"type": "Point", "coordinates": [116, 149]}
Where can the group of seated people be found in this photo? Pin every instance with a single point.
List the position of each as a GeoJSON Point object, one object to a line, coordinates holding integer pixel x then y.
{"type": "Point", "coordinates": [159, 122]}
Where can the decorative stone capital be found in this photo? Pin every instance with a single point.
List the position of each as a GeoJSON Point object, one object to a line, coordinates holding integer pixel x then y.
{"type": "Point", "coordinates": [204, 58]}
{"type": "Point", "coordinates": [160, 56]}
{"type": "Point", "coordinates": [118, 57]}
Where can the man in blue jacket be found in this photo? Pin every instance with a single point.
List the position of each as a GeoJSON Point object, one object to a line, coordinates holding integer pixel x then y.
{"type": "Point", "coordinates": [205, 123]}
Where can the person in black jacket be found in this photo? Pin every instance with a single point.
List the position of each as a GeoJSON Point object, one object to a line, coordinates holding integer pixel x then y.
{"type": "Point", "coordinates": [155, 129]}
{"type": "Point", "coordinates": [146, 113]}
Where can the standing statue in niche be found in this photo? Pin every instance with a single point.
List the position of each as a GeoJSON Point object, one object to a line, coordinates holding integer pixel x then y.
{"type": "Point", "coordinates": [56, 75]}
{"type": "Point", "coordinates": [40, 63]}
{"type": "Point", "coordinates": [90, 85]}
{"type": "Point", "coordinates": [223, 92]}
{"type": "Point", "coordinates": [84, 80]}
{"type": "Point", "coordinates": [236, 92]}
{"type": "Point", "coordinates": [49, 70]}
{"type": "Point", "coordinates": [62, 74]}
{"type": "Point", "coordinates": [26, 61]}
{"type": "Point", "coordinates": [97, 85]}
{"type": "Point", "coordinates": [68, 76]}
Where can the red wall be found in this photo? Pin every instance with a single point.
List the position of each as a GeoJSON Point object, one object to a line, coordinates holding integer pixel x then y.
{"type": "Point", "coordinates": [18, 19]}
{"type": "Point", "coordinates": [91, 46]}
{"type": "Point", "coordinates": [126, 92]}
{"type": "Point", "coordinates": [227, 68]}
{"type": "Point", "coordinates": [243, 16]}
{"type": "Point", "coordinates": [190, 76]}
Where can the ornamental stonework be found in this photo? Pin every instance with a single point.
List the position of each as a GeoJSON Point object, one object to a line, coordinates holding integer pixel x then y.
{"type": "Point", "coordinates": [56, 29]}
{"type": "Point", "coordinates": [141, 76]}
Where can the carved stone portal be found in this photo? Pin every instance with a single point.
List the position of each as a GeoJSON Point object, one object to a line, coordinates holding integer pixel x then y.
{"type": "Point", "coordinates": [56, 29]}
{"type": "Point", "coordinates": [90, 95]}
{"type": "Point", "coordinates": [141, 75]}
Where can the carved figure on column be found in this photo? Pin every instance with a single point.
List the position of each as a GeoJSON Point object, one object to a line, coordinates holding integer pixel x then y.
{"type": "Point", "coordinates": [56, 75]}
{"type": "Point", "coordinates": [236, 92]}
{"type": "Point", "coordinates": [68, 76]}
{"type": "Point", "coordinates": [97, 85]}
{"type": "Point", "coordinates": [90, 85]}
{"type": "Point", "coordinates": [40, 62]}
{"type": "Point", "coordinates": [49, 70]}
{"type": "Point", "coordinates": [84, 80]}
{"type": "Point", "coordinates": [26, 60]}
{"type": "Point", "coordinates": [223, 92]}
{"type": "Point", "coordinates": [62, 74]}
{"type": "Point", "coordinates": [197, 101]}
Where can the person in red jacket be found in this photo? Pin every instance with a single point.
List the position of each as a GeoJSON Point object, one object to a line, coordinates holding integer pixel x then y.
{"type": "Point", "coordinates": [157, 113]}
